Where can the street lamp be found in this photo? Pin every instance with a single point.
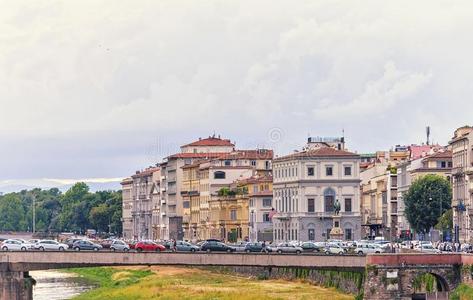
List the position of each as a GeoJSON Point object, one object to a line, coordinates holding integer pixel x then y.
{"type": "Point", "coordinates": [252, 226]}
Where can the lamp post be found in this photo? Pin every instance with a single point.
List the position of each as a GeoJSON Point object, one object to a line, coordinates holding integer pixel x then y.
{"type": "Point", "coordinates": [252, 224]}
{"type": "Point", "coordinates": [34, 213]}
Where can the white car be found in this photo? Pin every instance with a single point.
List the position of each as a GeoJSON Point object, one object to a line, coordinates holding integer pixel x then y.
{"type": "Point", "coordinates": [43, 245]}
{"type": "Point", "coordinates": [363, 249]}
{"type": "Point", "coordinates": [27, 244]}
{"type": "Point", "coordinates": [288, 248]}
{"type": "Point", "coordinates": [428, 249]}
{"type": "Point", "coordinates": [14, 245]}
{"type": "Point", "coordinates": [333, 248]}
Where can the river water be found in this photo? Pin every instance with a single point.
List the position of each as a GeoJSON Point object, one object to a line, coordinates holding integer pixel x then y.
{"type": "Point", "coordinates": [55, 285]}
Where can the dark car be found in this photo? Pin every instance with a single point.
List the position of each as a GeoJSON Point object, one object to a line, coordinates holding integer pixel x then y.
{"type": "Point", "coordinates": [311, 247]}
{"type": "Point", "coordinates": [210, 246]}
{"type": "Point", "coordinates": [86, 245]}
{"type": "Point", "coordinates": [70, 242]}
{"type": "Point", "coordinates": [257, 247]}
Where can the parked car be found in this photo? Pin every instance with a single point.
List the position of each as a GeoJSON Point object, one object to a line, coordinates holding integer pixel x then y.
{"type": "Point", "coordinates": [118, 245]}
{"type": "Point", "coordinates": [106, 244]}
{"type": "Point", "coordinates": [311, 247]}
{"type": "Point", "coordinates": [185, 246]}
{"type": "Point", "coordinates": [149, 246]}
{"type": "Point", "coordinates": [333, 248]}
{"type": "Point", "coordinates": [239, 247]}
{"type": "Point", "coordinates": [14, 245]}
{"type": "Point", "coordinates": [210, 246]}
{"type": "Point", "coordinates": [27, 244]}
{"type": "Point", "coordinates": [132, 244]}
{"type": "Point", "coordinates": [428, 249]}
{"type": "Point", "coordinates": [363, 249]}
{"type": "Point", "coordinates": [257, 247]}
{"type": "Point", "coordinates": [70, 242]}
{"type": "Point", "coordinates": [86, 245]}
{"type": "Point", "coordinates": [43, 245]}
{"type": "Point", "coordinates": [288, 248]}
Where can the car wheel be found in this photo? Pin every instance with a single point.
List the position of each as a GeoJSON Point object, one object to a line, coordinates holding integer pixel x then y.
{"type": "Point", "coordinates": [139, 249]}
{"type": "Point", "coordinates": [23, 249]}
{"type": "Point", "coordinates": [192, 250]}
{"type": "Point", "coordinates": [341, 252]}
{"type": "Point", "coordinates": [208, 250]}
{"type": "Point", "coordinates": [327, 252]}
{"type": "Point", "coordinates": [61, 248]}
{"type": "Point", "coordinates": [126, 250]}
{"type": "Point", "coordinates": [247, 250]}
{"type": "Point", "coordinates": [279, 251]}
{"type": "Point", "coordinates": [4, 248]}
{"type": "Point", "coordinates": [298, 252]}
{"type": "Point", "coordinates": [158, 250]}
{"type": "Point", "coordinates": [360, 252]}
{"type": "Point", "coordinates": [229, 250]}
{"type": "Point", "coordinates": [96, 249]}
{"type": "Point", "coordinates": [41, 248]}
{"type": "Point", "coordinates": [113, 249]}
{"type": "Point", "coordinates": [77, 248]}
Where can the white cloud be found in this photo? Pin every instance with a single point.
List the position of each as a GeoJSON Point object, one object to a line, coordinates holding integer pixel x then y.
{"type": "Point", "coordinates": [86, 87]}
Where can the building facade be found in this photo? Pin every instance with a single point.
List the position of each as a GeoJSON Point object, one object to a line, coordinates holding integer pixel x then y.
{"type": "Point", "coordinates": [127, 206]}
{"type": "Point", "coordinates": [306, 186]}
{"type": "Point", "coordinates": [462, 183]}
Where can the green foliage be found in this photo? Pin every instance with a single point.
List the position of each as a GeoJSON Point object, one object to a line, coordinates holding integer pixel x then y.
{"type": "Point", "coordinates": [427, 199]}
{"type": "Point", "coordinates": [76, 210]}
{"type": "Point", "coordinates": [426, 282]}
{"type": "Point", "coordinates": [463, 291]}
{"type": "Point", "coordinates": [445, 222]}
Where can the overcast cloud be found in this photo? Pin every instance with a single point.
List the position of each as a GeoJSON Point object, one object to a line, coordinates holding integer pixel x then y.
{"type": "Point", "coordinates": [101, 88]}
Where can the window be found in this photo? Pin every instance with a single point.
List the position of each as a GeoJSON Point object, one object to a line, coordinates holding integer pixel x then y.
{"type": "Point", "coordinates": [311, 234]}
{"type": "Point", "coordinates": [267, 165]}
{"type": "Point", "coordinates": [253, 163]}
{"type": "Point", "coordinates": [347, 171]}
{"type": "Point", "coordinates": [255, 189]}
{"type": "Point", "coordinates": [266, 217]}
{"type": "Point", "coordinates": [233, 214]}
{"type": "Point", "coordinates": [267, 202]}
{"type": "Point", "coordinates": [348, 204]}
{"type": "Point", "coordinates": [185, 204]}
{"type": "Point", "coordinates": [219, 175]}
{"type": "Point", "coordinates": [329, 171]}
{"type": "Point", "coordinates": [310, 205]}
{"type": "Point", "coordinates": [228, 163]}
{"type": "Point", "coordinates": [329, 199]}
{"type": "Point", "coordinates": [187, 161]}
{"type": "Point", "coordinates": [310, 171]}
{"type": "Point", "coordinates": [449, 164]}
{"type": "Point", "coordinates": [348, 234]}
{"type": "Point", "coordinates": [443, 164]}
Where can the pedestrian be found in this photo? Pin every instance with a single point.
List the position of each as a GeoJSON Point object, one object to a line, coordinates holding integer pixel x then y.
{"type": "Point", "coordinates": [264, 247]}
{"type": "Point", "coordinates": [174, 246]}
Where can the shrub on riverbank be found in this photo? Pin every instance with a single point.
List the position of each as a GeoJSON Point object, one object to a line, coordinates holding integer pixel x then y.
{"type": "Point", "coordinates": [462, 292]}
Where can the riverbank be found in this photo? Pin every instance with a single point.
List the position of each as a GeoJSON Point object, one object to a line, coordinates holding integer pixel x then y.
{"type": "Point", "coordinates": [189, 283]}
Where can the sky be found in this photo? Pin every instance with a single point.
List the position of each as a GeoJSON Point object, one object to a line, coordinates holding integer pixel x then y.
{"type": "Point", "coordinates": [99, 89]}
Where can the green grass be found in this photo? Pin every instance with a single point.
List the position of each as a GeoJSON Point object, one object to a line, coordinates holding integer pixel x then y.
{"type": "Point", "coordinates": [167, 283]}
{"type": "Point", "coordinates": [462, 292]}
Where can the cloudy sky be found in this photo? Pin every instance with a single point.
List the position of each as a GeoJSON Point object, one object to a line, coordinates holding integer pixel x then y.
{"type": "Point", "coordinates": [97, 89]}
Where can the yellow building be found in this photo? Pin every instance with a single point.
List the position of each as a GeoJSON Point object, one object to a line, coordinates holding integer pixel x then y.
{"type": "Point", "coordinates": [191, 200]}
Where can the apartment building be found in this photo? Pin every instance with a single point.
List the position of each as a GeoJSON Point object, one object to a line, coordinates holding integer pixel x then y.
{"type": "Point", "coordinates": [306, 186]}
{"type": "Point", "coordinates": [436, 161]}
{"type": "Point", "coordinates": [127, 207]}
{"type": "Point", "coordinates": [462, 183]}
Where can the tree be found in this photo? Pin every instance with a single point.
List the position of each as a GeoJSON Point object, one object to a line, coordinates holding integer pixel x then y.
{"type": "Point", "coordinates": [12, 213]}
{"type": "Point", "coordinates": [445, 222]}
{"type": "Point", "coordinates": [426, 200]}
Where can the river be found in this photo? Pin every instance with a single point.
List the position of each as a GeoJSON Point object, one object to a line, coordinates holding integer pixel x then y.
{"type": "Point", "coordinates": [55, 285]}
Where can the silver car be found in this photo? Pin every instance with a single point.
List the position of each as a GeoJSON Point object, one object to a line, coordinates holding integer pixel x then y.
{"type": "Point", "coordinates": [288, 248]}
{"type": "Point", "coordinates": [118, 245]}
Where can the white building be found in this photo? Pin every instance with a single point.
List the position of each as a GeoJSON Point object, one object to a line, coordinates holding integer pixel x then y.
{"type": "Point", "coordinates": [306, 186]}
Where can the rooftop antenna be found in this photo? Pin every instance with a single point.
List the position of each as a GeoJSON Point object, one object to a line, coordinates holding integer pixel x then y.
{"type": "Point", "coordinates": [427, 131]}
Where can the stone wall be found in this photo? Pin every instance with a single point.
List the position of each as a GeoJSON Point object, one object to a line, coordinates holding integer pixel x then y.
{"type": "Point", "coordinates": [345, 281]}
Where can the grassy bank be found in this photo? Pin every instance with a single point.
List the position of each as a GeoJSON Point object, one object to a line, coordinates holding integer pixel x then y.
{"type": "Point", "coordinates": [181, 283]}
{"type": "Point", "coordinates": [462, 292]}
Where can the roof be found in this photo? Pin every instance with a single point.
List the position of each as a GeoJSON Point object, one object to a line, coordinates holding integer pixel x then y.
{"type": "Point", "coordinates": [321, 152]}
{"type": "Point", "coordinates": [211, 141]}
{"type": "Point", "coordinates": [195, 155]}
{"type": "Point", "coordinates": [256, 179]}
{"type": "Point", "coordinates": [248, 154]}
{"type": "Point", "coordinates": [440, 155]}
{"type": "Point", "coordinates": [145, 172]}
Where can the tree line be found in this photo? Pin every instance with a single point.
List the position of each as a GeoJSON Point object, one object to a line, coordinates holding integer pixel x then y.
{"type": "Point", "coordinates": [76, 210]}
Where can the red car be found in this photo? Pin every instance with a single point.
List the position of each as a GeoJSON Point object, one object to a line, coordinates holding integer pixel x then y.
{"type": "Point", "coordinates": [149, 246]}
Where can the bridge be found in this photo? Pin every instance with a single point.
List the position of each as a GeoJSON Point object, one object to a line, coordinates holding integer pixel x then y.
{"type": "Point", "coordinates": [388, 276]}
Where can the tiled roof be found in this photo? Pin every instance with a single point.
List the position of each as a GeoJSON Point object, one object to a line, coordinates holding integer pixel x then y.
{"type": "Point", "coordinates": [211, 141]}
{"type": "Point", "coordinates": [145, 172]}
{"type": "Point", "coordinates": [195, 155]}
{"type": "Point", "coordinates": [441, 154]}
{"type": "Point", "coordinates": [248, 154]}
{"type": "Point", "coordinates": [321, 152]}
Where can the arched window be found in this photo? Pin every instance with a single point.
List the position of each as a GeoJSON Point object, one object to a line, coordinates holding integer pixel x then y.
{"type": "Point", "coordinates": [219, 175]}
{"type": "Point", "coordinates": [329, 199]}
